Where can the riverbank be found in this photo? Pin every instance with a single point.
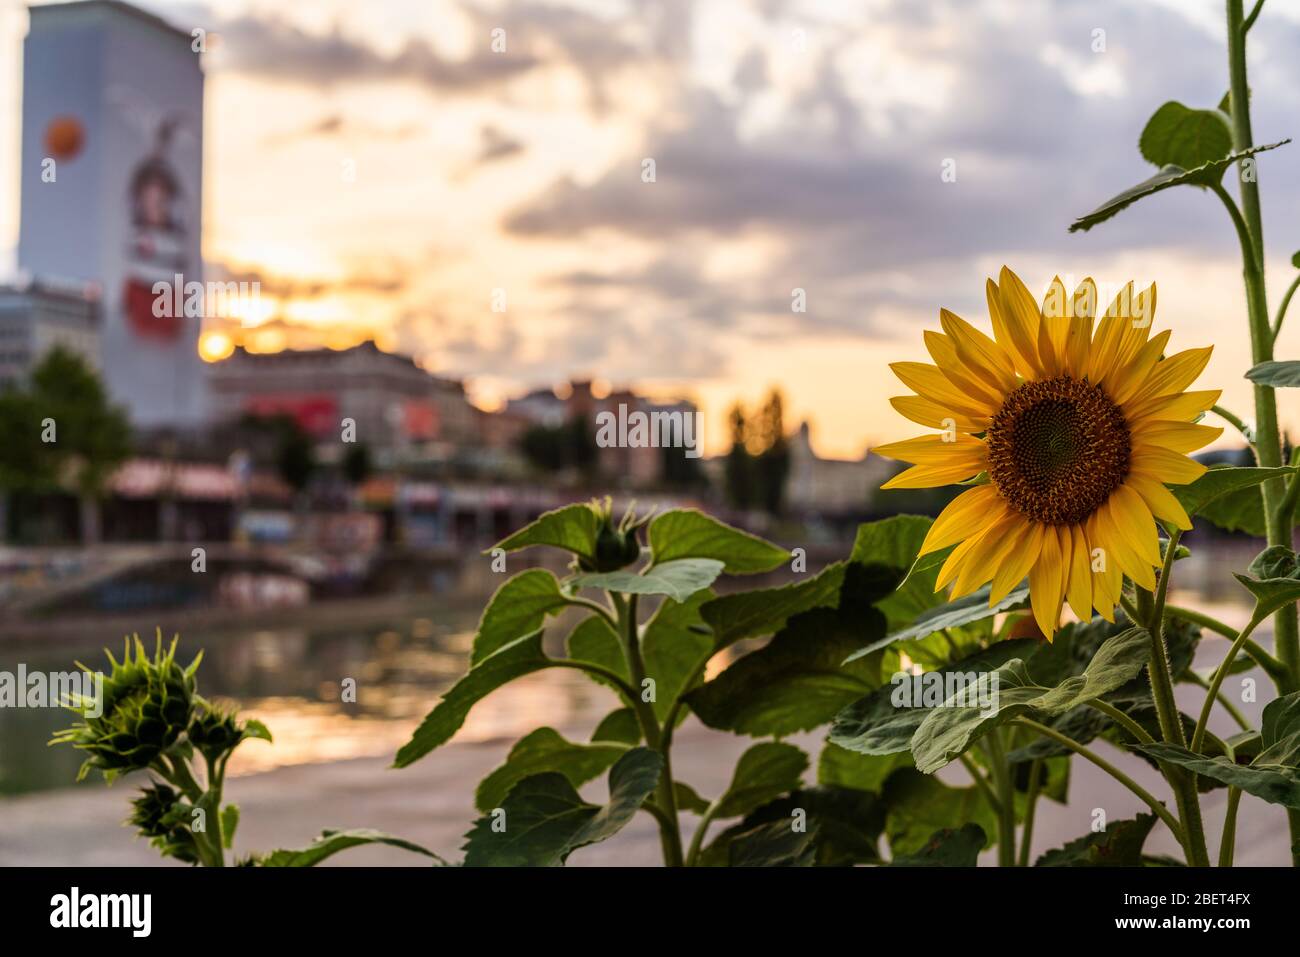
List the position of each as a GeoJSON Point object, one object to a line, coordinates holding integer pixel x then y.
{"type": "Point", "coordinates": [431, 803]}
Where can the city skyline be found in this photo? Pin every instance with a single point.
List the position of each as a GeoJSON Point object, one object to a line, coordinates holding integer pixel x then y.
{"type": "Point", "coordinates": [398, 171]}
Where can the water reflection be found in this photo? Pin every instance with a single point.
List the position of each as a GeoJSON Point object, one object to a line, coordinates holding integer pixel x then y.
{"type": "Point", "coordinates": [291, 679]}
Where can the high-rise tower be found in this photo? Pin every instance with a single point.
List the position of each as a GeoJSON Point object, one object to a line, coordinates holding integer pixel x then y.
{"type": "Point", "coordinates": [112, 156]}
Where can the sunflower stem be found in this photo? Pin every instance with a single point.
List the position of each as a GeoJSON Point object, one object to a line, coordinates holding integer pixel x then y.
{"type": "Point", "coordinates": [1031, 805]}
{"type": "Point", "coordinates": [1084, 751]}
{"type": "Point", "coordinates": [1171, 721]}
{"type": "Point", "coordinates": [1006, 800]}
{"type": "Point", "coordinates": [1268, 447]}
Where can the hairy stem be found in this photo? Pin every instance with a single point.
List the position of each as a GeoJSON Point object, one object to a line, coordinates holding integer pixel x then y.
{"type": "Point", "coordinates": [670, 834]}
{"type": "Point", "coordinates": [1083, 751]}
{"type": "Point", "coordinates": [1036, 770]}
{"type": "Point", "coordinates": [1171, 722]}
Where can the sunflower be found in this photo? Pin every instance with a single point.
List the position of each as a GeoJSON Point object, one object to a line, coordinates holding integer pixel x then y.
{"type": "Point", "coordinates": [1071, 435]}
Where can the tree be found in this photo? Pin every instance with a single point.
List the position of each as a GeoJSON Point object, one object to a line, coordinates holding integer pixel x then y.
{"type": "Point", "coordinates": [91, 437]}
{"type": "Point", "coordinates": [759, 461]}
{"type": "Point", "coordinates": [555, 448]}
{"type": "Point", "coordinates": [357, 465]}
{"type": "Point", "coordinates": [295, 458]}
{"type": "Point", "coordinates": [738, 469]}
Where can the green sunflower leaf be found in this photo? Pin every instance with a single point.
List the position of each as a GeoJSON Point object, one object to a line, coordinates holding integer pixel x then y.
{"type": "Point", "coordinates": [763, 773]}
{"type": "Point", "coordinates": [1228, 497]}
{"type": "Point", "coordinates": [331, 842]}
{"type": "Point", "coordinates": [678, 579]}
{"type": "Point", "coordinates": [572, 528]}
{"type": "Point", "coordinates": [884, 721]}
{"type": "Point", "coordinates": [949, 847]}
{"type": "Point", "coordinates": [1278, 374]}
{"type": "Point", "coordinates": [1273, 578]}
{"type": "Point", "coordinates": [517, 608]}
{"type": "Point", "coordinates": [1207, 174]}
{"type": "Point", "coordinates": [840, 767]}
{"type": "Point", "coordinates": [964, 611]}
{"type": "Point", "coordinates": [1119, 845]}
{"type": "Point", "coordinates": [843, 827]}
{"type": "Point", "coordinates": [765, 611]}
{"type": "Point", "coordinates": [688, 533]}
{"type": "Point", "coordinates": [546, 750]}
{"type": "Point", "coordinates": [775, 844]}
{"type": "Point", "coordinates": [894, 543]}
{"type": "Point", "coordinates": [674, 651]}
{"type": "Point", "coordinates": [795, 682]}
{"type": "Point", "coordinates": [1273, 774]}
{"type": "Point", "coordinates": [1010, 692]}
{"type": "Point", "coordinates": [919, 805]}
{"type": "Point", "coordinates": [1177, 135]}
{"type": "Point", "coordinates": [620, 726]}
{"type": "Point", "coordinates": [516, 659]}
{"type": "Point", "coordinates": [544, 819]}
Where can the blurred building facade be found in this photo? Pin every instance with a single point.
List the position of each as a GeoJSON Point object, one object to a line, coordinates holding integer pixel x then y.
{"type": "Point", "coordinates": [395, 404]}
{"type": "Point", "coordinates": [35, 318]}
{"type": "Point", "coordinates": [830, 486]}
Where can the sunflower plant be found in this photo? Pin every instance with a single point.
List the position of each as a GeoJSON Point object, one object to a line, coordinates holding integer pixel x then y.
{"type": "Point", "coordinates": [1008, 637]}
{"type": "Point", "coordinates": [1073, 434]}
{"type": "Point", "coordinates": [147, 716]}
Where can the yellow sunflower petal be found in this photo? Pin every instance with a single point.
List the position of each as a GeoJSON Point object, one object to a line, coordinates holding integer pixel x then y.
{"type": "Point", "coordinates": [978, 352]}
{"type": "Point", "coordinates": [1160, 500]}
{"type": "Point", "coordinates": [932, 476]}
{"type": "Point", "coordinates": [1175, 436]}
{"type": "Point", "coordinates": [1018, 562]}
{"type": "Point", "coordinates": [1165, 466]}
{"type": "Point", "coordinates": [1085, 300]}
{"type": "Point", "coordinates": [1110, 332]}
{"type": "Point", "coordinates": [953, 565]}
{"type": "Point", "coordinates": [1119, 549]}
{"type": "Point", "coordinates": [982, 561]}
{"type": "Point", "coordinates": [930, 383]}
{"type": "Point", "coordinates": [967, 381]}
{"type": "Point", "coordinates": [1107, 577]}
{"type": "Point", "coordinates": [1140, 313]}
{"type": "Point", "coordinates": [1019, 312]}
{"type": "Point", "coordinates": [1175, 373]}
{"type": "Point", "coordinates": [961, 518]}
{"type": "Point", "coordinates": [1054, 329]}
{"type": "Point", "coordinates": [1181, 407]}
{"type": "Point", "coordinates": [1129, 376]}
{"type": "Point", "coordinates": [1047, 582]}
{"type": "Point", "coordinates": [935, 416]}
{"type": "Point", "coordinates": [1078, 590]}
{"type": "Point", "coordinates": [1136, 522]}
{"type": "Point", "coordinates": [945, 449]}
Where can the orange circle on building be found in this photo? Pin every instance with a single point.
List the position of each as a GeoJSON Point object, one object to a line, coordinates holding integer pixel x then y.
{"type": "Point", "coordinates": [64, 137]}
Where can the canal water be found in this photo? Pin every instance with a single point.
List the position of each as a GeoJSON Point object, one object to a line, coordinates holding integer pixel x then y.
{"type": "Point", "coordinates": [292, 679]}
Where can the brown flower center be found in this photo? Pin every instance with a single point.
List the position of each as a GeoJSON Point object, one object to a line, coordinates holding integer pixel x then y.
{"type": "Point", "coordinates": [1057, 449]}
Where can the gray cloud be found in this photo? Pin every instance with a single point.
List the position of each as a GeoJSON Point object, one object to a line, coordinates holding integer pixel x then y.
{"type": "Point", "coordinates": [852, 207]}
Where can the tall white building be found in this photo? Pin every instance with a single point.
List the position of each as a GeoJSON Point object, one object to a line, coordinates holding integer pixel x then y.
{"type": "Point", "coordinates": [112, 145]}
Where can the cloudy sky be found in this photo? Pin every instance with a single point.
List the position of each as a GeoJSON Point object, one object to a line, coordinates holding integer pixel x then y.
{"type": "Point", "coordinates": [795, 145]}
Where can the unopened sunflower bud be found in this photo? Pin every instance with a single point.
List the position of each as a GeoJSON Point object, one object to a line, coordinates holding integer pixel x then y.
{"type": "Point", "coordinates": [214, 731]}
{"type": "Point", "coordinates": [146, 705]}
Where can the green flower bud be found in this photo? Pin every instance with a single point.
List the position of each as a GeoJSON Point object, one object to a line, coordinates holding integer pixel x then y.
{"type": "Point", "coordinates": [214, 731]}
{"type": "Point", "coordinates": [616, 547]}
{"type": "Point", "coordinates": [160, 815]}
{"type": "Point", "coordinates": [147, 704]}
